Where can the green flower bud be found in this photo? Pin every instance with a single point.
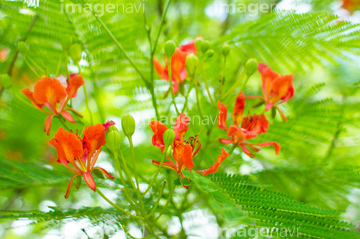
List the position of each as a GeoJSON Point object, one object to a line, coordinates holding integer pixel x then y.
{"type": "Point", "coordinates": [98, 173]}
{"type": "Point", "coordinates": [209, 53]}
{"type": "Point", "coordinates": [273, 112]}
{"type": "Point", "coordinates": [22, 47]}
{"type": "Point", "coordinates": [78, 180]}
{"type": "Point", "coordinates": [191, 63]}
{"type": "Point", "coordinates": [169, 48]}
{"type": "Point", "coordinates": [205, 46]}
{"type": "Point", "coordinates": [66, 42]}
{"type": "Point", "coordinates": [225, 50]}
{"type": "Point", "coordinates": [5, 81]}
{"type": "Point", "coordinates": [168, 137]}
{"type": "Point", "coordinates": [251, 66]}
{"type": "Point", "coordinates": [113, 139]}
{"type": "Point", "coordinates": [198, 43]}
{"type": "Point", "coordinates": [128, 125]}
{"type": "Point", "coordinates": [75, 52]}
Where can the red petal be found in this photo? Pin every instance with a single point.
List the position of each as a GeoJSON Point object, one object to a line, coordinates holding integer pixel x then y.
{"type": "Point", "coordinates": [106, 173]}
{"type": "Point", "coordinates": [226, 141]}
{"type": "Point", "coordinates": [239, 109]}
{"type": "Point", "coordinates": [69, 186]}
{"type": "Point", "coordinates": [30, 95]}
{"type": "Point", "coordinates": [67, 116]}
{"type": "Point", "coordinates": [217, 164]}
{"type": "Point", "coordinates": [167, 165]}
{"type": "Point", "coordinates": [47, 124]}
{"type": "Point", "coordinates": [161, 70]}
{"type": "Point", "coordinates": [276, 146]}
{"type": "Point", "coordinates": [90, 181]}
{"type": "Point", "coordinates": [159, 129]}
{"type": "Point", "coordinates": [222, 116]}
{"type": "Point", "coordinates": [49, 90]}
{"type": "Point", "coordinates": [257, 124]}
{"type": "Point", "coordinates": [76, 81]}
{"type": "Point", "coordinates": [181, 126]}
{"type": "Point", "coordinates": [94, 136]}
{"type": "Point", "coordinates": [182, 154]}
{"type": "Point", "coordinates": [108, 124]}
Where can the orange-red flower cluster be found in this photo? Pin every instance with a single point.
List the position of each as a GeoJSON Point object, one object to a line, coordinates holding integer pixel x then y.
{"type": "Point", "coordinates": [276, 89]}
{"type": "Point", "coordinates": [351, 5]}
{"type": "Point", "coordinates": [183, 151]}
{"type": "Point", "coordinates": [53, 94]}
{"type": "Point", "coordinates": [81, 153]}
{"type": "Point", "coordinates": [178, 62]}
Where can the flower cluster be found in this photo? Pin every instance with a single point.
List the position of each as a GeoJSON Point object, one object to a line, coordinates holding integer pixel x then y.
{"type": "Point", "coordinates": [178, 63]}
{"type": "Point", "coordinates": [54, 94]}
{"type": "Point", "coordinates": [183, 151]}
{"type": "Point", "coordinates": [276, 90]}
{"type": "Point", "coordinates": [81, 153]}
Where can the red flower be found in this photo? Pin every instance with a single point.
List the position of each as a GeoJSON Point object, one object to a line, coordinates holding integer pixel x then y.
{"type": "Point", "coordinates": [82, 154]}
{"type": "Point", "coordinates": [50, 92]}
{"type": "Point", "coordinates": [178, 62]}
{"type": "Point", "coordinates": [351, 5]}
{"type": "Point", "coordinates": [183, 151]}
{"type": "Point", "coordinates": [3, 54]}
{"type": "Point", "coordinates": [276, 89]}
{"type": "Point", "coordinates": [251, 127]}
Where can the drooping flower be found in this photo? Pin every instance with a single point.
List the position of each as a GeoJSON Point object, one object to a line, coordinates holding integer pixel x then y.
{"type": "Point", "coordinates": [244, 128]}
{"type": "Point", "coordinates": [183, 151]}
{"type": "Point", "coordinates": [178, 62]}
{"type": "Point", "coordinates": [276, 89]}
{"type": "Point", "coordinates": [81, 153]}
{"type": "Point", "coordinates": [54, 94]}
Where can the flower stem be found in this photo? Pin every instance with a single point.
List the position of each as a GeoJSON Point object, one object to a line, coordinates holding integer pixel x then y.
{"type": "Point", "coordinates": [63, 123]}
{"type": "Point", "coordinates": [232, 89]}
{"type": "Point", "coordinates": [222, 78]}
{"type": "Point", "coordinates": [157, 172]}
{"type": "Point", "coordinates": [167, 203]}
{"type": "Point", "coordinates": [171, 87]}
{"type": "Point", "coordinates": [207, 85]}
{"type": "Point", "coordinates": [157, 201]}
{"type": "Point", "coordinates": [134, 161]}
{"type": "Point", "coordinates": [87, 104]}
{"type": "Point", "coordinates": [58, 67]}
{"type": "Point", "coordinates": [116, 206]}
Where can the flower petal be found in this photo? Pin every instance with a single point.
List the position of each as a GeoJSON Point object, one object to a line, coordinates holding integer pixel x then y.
{"type": "Point", "coordinates": [257, 124]}
{"type": "Point", "coordinates": [167, 165]}
{"type": "Point", "coordinates": [75, 82]}
{"type": "Point", "coordinates": [218, 162]}
{"type": "Point", "coordinates": [108, 124]}
{"type": "Point", "coordinates": [183, 156]}
{"type": "Point", "coordinates": [94, 138]}
{"type": "Point", "coordinates": [159, 129]}
{"type": "Point", "coordinates": [69, 186]}
{"type": "Point", "coordinates": [239, 109]}
{"type": "Point", "coordinates": [90, 181]}
{"type": "Point", "coordinates": [222, 116]}
{"type": "Point", "coordinates": [276, 146]}
{"type": "Point", "coordinates": [30, 95]}
{"type": "Point", "coordinates": [226, 141]}
{"type": "Point", "coordinates": [267, 77]}
{"type": "Point", "coordinates": [181, 126]}
{"type": "Point", "coordinates": [247, 151]}
{"type": "Point", "coordinates": [105, 173]}
{"type": "Point", "coordinates": [68, 146]}
{"type": "Point", "coordinates": [47, 124]}
{"type": "Point", "coordinates": [67, 116]}
{"type": "Point", "coordinates": [49, 90]}
{"type": "Point", "coordinates": [161, 70]}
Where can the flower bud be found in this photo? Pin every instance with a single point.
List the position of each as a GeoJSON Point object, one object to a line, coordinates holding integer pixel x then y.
{"type": "Point", "coordinates": [273, 112]}
{"type": "Point", "coordinates": [225, 50]}
{"type": "Point", "coordinates": [205, 46]}
{"type": "Point", "coordinates": [209, 53]}
{"type": "Point", "coordinates": [66, 42]}
{"type": "Point", "coordinates": [169, 48]}
{"type": "Point", "coordinates": [168, 137]}
{"type": "Point", "coordinates": [5, 81]}
{"type": "Point", "coordinates": [251, 66]}
{"type": "Point", "coordinates": [113, 139]}
{"type": "Point", "coordinates": [22, 47]}
{"type": "Point", "coordinates": [128, 125]}
{"type": "Point", "coordinates": [191, 63]}
{"type": "Point", "coordinates": [78, 180]}
{"type": "Point", "coordinates": [198, 43]}
{"type": "Point", "coordinates": [75, 53]}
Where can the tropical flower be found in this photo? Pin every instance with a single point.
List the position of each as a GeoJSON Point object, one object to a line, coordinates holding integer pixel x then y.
{"type": "Point", "coordinates": [178, 62]}
{"type": "Point", "coordinates": [276, 89]}
{"type": "Point", "coordinates": [183, 151]}
{"type": "Point", "coordinates": [54, 94]}
{"type": "Point", "coordinates": [81, 153]}
{"type": "Point", "coordinates": [3, 54]}
{"type": "Point", "coordinates": [245, 128]}
{"type": "Point", "coordinates": [351, 5]}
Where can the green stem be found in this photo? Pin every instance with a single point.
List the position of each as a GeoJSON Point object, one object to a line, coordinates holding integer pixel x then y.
{"type": "Point", "coordinates": [171, 87]}
{"type": "Point", "coordinates": [206, 85]}
{"type": "Point", "coordinates": [158, 200]}
{"type": "Point", "coordinates": [31, 68]}
{"type": "Point", "coordinates": [161, 25]}
{"type": "Point", "coordinates": [116, 206]}
{"type": "Point", "coordinates": [222, 78]}
{"type": "Point", "coordinates": [157, 172]}
{"type": "Point", "coordinates": [232, 89]}
{"type": "Point", "coordinates": [59, 65]}
{"type": "Point", "coordinates": [134, 161]}
{"type": "Point", "coordinates": [87, 105]}
{"type": "Point", "coordinates": [167, 202]}
{"type": "Point", "coordinates": [127, 171]}
{"type": "Point", "coordinates": [63, 122]}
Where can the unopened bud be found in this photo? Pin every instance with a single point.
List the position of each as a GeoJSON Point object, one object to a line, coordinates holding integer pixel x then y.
{"type": "Point", "coordinates": [273, 112]}
{"type": "Point", "coordinates": [209, 53]}
{"type": "Point", "coordinates": [251, 66]}
{"type": "Point", "coordinates": [205, 46]}
{"type": "Point", "coordinates": [22, 47]}
{"type": "Point", "coordinates": [113, 139]}
{"type": "Point", "coordinates": [168, 137]}
{"type": "Point", "coordinates": [169, 48]}
{"type": "Point", "coordinates": [66, 42]}
{"type": "Point", "coordinates": [5, 81]}
{"type": "Point", "coordinates": [191, 63]}
{"type": "Point", "coordinates": [98, 173]}
{"type": "Point", "coordinates": [225, 50]}
{"type": "Point", "coordinates": [198, 43]}
{"type": "Point", "coordinates": [75, 53]}
{"type": "Point", "coordinates": [128, 125]}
